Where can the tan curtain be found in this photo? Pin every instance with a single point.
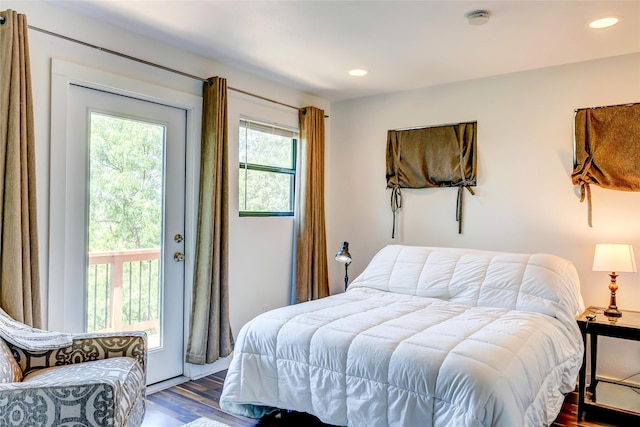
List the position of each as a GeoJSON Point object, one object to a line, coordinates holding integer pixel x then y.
{"type": "Point", "coordinates": [432, 156]}
{"type": "Point", "coordinates": [210, 330]}
{"type": "Point", "coordinates": [606, 150]}
{"type": "Point", "coordinates": [19, 271]}
{"type": "Point", "coordinates": [312, 280]}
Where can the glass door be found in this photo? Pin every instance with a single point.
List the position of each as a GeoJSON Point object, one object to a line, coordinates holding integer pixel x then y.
{"type": "Point", "coordinates": [130, 177]}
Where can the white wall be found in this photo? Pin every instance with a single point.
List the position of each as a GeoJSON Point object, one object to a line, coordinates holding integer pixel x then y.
{"type": "Point", "coordinates": [259, 272]}
{"type": "Point", "coordinates": [524, 202]}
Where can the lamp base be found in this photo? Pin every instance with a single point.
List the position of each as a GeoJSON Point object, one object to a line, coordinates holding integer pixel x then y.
{"type": "Point", "coordinates": [612, 312]}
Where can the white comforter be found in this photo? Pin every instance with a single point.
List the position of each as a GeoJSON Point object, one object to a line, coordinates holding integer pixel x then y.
{"type": "Point", "coordinates": [423, 337]}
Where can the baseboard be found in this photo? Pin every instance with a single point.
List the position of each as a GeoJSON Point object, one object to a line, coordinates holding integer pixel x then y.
{"type": "Point", "coordinates": [195, 372]}
{"type": "Point", "coordinates": [154, 388]}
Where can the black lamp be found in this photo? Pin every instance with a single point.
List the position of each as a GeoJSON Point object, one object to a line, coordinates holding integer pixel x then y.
{"type": "Point", "coordinates": [344, 256]}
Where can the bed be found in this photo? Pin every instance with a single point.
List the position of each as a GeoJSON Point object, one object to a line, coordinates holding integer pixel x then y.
{"type": "Point", "coordinates": [422, 337]}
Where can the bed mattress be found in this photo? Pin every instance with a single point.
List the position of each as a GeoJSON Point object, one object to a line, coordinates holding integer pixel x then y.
{"type": "Point", "coordinates": [423, 337]}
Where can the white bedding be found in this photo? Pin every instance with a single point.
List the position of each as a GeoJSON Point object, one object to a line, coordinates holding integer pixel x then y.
{"type": "Point", "coordinates": [423, 337]}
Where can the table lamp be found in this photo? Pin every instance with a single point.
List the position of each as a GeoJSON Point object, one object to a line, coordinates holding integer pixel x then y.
{"type": "Point", "coordinates": [613, 258]}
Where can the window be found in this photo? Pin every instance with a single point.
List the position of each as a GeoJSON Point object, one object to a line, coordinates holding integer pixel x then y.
{"type": "Point", "coordinates": [267, 169]}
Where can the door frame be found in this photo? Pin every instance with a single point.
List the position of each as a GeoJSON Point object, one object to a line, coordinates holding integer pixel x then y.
{"type": "Point", "coordinates": [64, 74]}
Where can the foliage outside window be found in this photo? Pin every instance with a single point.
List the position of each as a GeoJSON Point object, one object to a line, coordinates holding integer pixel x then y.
{"type": "Point", "coordinates": [125, 183]}
{"type": "Point", "coordinates": [125, 214]}
{"type": "Point", "coordinates": [267, 169]}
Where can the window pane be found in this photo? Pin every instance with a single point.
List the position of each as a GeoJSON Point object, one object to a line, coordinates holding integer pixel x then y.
{"type": "Point", "coordinates": [125, 183]}
{"type": "Point", "coordinates": [126, 168]}
{"type": "Point", "coordinates": [261, 148]}
{"type": "Point", "coordinates": [265, 191]}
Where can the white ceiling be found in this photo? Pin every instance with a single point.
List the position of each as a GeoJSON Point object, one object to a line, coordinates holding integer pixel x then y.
{"type": "Point", "coordinates": [310, 45]}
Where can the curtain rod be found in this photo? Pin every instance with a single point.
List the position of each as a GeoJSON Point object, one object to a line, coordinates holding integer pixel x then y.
{"type": "Point", "coordinates": [630, 104]}
{"type": "Point", "coordinates": [152, 64]}
{"type": "Point", "coordinates": [434, 126]}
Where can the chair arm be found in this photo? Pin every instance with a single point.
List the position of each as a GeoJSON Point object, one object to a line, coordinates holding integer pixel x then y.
{"type": "Point", "coordinates": [39, 404]}
{"type": "Point", "coordinates": [86, 347]}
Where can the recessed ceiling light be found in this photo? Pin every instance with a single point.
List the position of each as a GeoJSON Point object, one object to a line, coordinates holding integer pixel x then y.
{"type": "Point", "coordinates": [358, 72]}
{"type": "Point", "coordinates": [604, 22]}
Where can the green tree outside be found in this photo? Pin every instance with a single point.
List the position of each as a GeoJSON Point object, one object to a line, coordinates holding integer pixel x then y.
{"type": "Point", "coordinates": [125, 176]}
{"type": "Point", "coordinates": [267, 170]}
{"type": "Point", "coordinates": [125, 213]}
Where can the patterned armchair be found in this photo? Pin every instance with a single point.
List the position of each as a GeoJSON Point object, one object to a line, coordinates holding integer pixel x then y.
{"type": "Point", "coordinates": [52, 379]}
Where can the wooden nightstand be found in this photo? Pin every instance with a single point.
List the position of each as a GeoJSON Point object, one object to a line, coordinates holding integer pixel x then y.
{"type": "Point", "coordinates": [625, 327]}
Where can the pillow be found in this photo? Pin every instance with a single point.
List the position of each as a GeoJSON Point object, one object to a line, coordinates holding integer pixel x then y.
{"type": "Point", "coordinates": [539, 283]}
{"type": "Point", "coordinates": [10, 372]}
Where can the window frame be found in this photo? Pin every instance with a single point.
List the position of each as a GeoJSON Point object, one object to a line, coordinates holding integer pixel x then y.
{"type": "Point", "coordinates": [292, 172]}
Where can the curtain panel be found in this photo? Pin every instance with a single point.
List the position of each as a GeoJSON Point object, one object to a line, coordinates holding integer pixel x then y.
{"type": "Point", "coordinates": [19, 265]}
{"type": "Point", "coordinates": [312, 278]}
{"type": "Point", "coordinates": [210, 334]}
{"type": "Point", "coordinates": [607, 150]}
{"type": "Point", "coordinates": [437, 156]}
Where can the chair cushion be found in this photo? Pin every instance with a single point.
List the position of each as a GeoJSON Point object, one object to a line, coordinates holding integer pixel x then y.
{"type": "Point", "coordinates": [103, 391]}
{"type": "Point", "coordinates": [10, 372]}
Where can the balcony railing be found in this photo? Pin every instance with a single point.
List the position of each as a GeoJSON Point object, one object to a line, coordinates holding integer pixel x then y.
{"type": "Point", "coordinates": [123, 291]}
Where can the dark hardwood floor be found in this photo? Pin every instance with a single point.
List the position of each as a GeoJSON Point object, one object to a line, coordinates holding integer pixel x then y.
{"type": "Point", "coordinates": [186, 402]}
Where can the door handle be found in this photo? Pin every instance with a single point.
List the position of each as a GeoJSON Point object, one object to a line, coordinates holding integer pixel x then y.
{"type": "Point", "coordinates": [178, 257]}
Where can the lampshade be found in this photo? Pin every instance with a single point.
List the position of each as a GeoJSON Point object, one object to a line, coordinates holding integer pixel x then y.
{"type": "Point", "coordinates": [614, 257]}
{"type": "Point", "coordinates": [343, 254]}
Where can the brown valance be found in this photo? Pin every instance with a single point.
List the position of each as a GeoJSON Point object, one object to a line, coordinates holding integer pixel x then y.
{"type": "Point", "coordinates": [607, 149]}
{"type": "Point", "coordinates": [437, 156]}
